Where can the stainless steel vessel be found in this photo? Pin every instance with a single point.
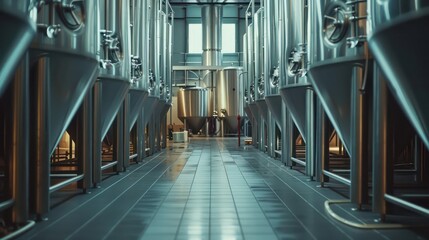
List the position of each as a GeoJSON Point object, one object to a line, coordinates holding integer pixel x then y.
{"type": "Point", "coordinates": [193, 107]}
{"type": "Point", "coordinates": [229, 97]}
{"type": "Point", "coordinates": [272, 72]}
{"type": "Point", "coordinates": [341, 74]}
{"type": "Point", "coordinates": [403, 23]}
{"type": "Point", "coordinates": [19, 27]}
{"type": "Point", "coordinates": [114, 79]}
{"type": "Point", "coordinates": [64, 66]}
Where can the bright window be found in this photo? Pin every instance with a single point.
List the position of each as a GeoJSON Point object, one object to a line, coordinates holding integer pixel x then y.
{"type": "Point", "coordinates": [228, 38]}
{"type": "Point", "coordinates": [195, 38]}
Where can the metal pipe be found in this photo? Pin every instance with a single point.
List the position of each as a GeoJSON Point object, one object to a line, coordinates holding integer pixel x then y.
{"type": "Point", "coordinates": [408, 205]}
{"type": "Point", "coordinates": [299, 161]}
{"type": "Point", "coordinates": [6, 204]}
{"type": "Point", "coordinates": [337, 177]}
{"type": "Point", "coordinates": [109, 165]}
{"type": "Point", "coordinates": [212, 34]}
{"type": "Point", "coordinates": [65, 183]}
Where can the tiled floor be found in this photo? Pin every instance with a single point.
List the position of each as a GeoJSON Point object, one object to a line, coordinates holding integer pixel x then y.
{"type": "Point", "coordinates": [207, 189]}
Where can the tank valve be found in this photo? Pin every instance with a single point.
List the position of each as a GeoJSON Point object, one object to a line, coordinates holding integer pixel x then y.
{"type": "Point", "coordinates": [51, 31]}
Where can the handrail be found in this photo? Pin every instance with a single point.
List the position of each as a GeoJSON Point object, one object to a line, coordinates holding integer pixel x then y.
{"type": "Point", "coordinates": [405, 204]}
{"type": "Point", "coordinates": [20, 231]}
{"type": "Point", "coordinates": [109, 165]}
{"type": "Point", "coordinates": [6, 204]}
{"type": "Point", "coordinates": [65, 183]}
{"type": "Point", "coordinates": [299, 161]}
{"type": "Point", "coordinates": [337, 177]}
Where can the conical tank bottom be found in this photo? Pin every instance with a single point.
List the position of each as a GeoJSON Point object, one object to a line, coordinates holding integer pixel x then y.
{"type": "Point", "coordinates": [113, 94]}
{"type": "Point", "coordinates": [66, 78]}
{"type": "Point", "coordinates": [295, 99]}
{"type": "Point", "coordinates": [255, 111]}
{"type": "Point", "coordinates": [274, 103]}
{"type": "Point", "coordinates": [137, 98]}
{"type": "Point", "coordinates": [18, 33]}
{"type": "Point", "coordinates": [263, 108]}
{"type": "Point", "coordinates": [332, 81]}
{"type": "Point", "coordinates": [404, 64]}
{"type": "Point", "coordinates": [232, 123]}
{"type": "Point", "coordinates": [194, 123]}
{"type": "Point", "coordinates": [248, 112]}
{"type": "Point", "coordinates": [149, 106]}
{"type": "Point", "coordinates": [160, 107]}
{"type": "Point", "coordinates": [165, 108]}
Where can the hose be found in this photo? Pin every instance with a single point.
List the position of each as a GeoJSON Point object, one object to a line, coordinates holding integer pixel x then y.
{"type": "Point", "coordinates": [361, 225]}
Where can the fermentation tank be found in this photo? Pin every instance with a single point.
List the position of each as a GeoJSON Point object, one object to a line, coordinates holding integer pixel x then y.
{"type": "Point", "coordinates": [19, 28]}
{"type": "Point", "coordinates": [193, 107]}
{"type": "Point", "coordinates": [114, 79]}
{"type": "Point", "coordinates": [139, 61]}
{"type": "Point", "coordinates": [229, 97]}
{"type": "Point", "coordinates": [341, 74]}
{"type": "Point", "coordinates": [64, 66]}
{"type": "Point", "coordinates": [399, 41]}
{"type": "Point", "coordinates": [272, 57]}
{"type": "Point", "coordinates": [295, 85]}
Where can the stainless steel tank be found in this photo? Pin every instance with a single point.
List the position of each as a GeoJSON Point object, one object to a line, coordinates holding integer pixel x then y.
{"type": "Point", "coordinates": [295, 85]}
{"type": "Point", "coordinates": [339, 55]}
{"type": "Point", "coordinates": [18, 25]}
{"type": "Point", "coordinates": [193, 107]}
{"type": "Point", "coordinates": [64, 66]}
{"type": "Point", "coordinates": [139, 61]}
{"type": "Point", "coordinates": [399, 41]}
{"type": "Point", "coordinates": [272, 55]}
{"type": "Point", "coordinates": [341, 74]}
{"type": "Point", "coordinates": [229, 97]}
{"type": "Point", "coordinates": [115, 63]}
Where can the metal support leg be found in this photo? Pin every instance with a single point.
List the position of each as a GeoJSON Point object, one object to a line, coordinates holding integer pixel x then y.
{"type": "Point", "coordinates": [381, 141]}
{"type": "Point", "coordinates": [118, 146]}
{"type": "Point", "coordinates": [271, 135]}
{"type": "Point", "coordinates": [96, 141]}
{"type": "Point", "coordinates": [285, 135]}
{"type": "Point", "coordinates": [322, 144]}
{"type": "Point", "coordinates": [140, 137]}
{"type": "Point", "coordinates": [126, 131]}
{"type": "Point", "coordinates": [85, 136]}
{"type": "Point", "coordinates": [40, 136]}
{"type": "Point", "coordinates": [358, 188]}
{"type": "Point", "coordinates": [152, 135]}
{"type": "Point", "coordinates": [20, 143]}
{"type": "Point", "coordinates": [310, 129]}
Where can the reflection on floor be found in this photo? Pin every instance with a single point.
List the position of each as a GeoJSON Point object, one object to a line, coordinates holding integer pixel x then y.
{"type": "Point", "coordinates": [206, 189]}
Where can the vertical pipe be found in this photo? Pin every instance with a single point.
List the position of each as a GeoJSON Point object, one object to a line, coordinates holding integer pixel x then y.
{"type": "Point", "coordinates": [310, 129]}
{"type": "Point", "coordinates": [212, 34]}
{"type": "Point", "coordinates": [96, 142]}
{"type": "Point", "coordinates": [20, 142]}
